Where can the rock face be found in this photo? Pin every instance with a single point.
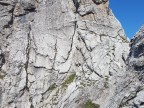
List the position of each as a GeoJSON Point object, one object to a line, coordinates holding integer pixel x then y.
{"type": "Point", "coordinates": [135, 61]}
{"type": "Point", "coordinates": [67, 54]}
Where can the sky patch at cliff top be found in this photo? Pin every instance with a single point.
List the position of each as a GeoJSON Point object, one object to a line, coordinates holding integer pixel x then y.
{"type": "Point", "coordinates": [130, 13]}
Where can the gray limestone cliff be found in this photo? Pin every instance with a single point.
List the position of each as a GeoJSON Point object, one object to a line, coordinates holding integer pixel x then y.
{"type": "Point", "coordinates": [135, 66]}
{"type": "Point", "coordinates": [66, 54]}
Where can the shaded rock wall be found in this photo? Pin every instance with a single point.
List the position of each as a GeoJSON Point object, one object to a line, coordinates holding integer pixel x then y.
{"type": "Point", "coordinates": [135, 66]}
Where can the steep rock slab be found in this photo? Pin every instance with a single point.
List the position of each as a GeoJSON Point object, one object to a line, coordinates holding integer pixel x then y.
{"type": "Point", "coordinates": [135, 96]}
{"type": "Point", "coordinates": [61, 54]}
{"type": "Point", "coordinates": [129, 91]}
{"type": "Point", "coordinates": [136, 60]}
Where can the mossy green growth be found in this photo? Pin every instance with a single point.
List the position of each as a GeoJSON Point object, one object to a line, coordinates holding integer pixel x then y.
{"type": "Point", "coordinates": [1, 76]}
{"type": "Point", "coordinates": [52, 87]}
{"type": "Point", "coordinates": [89, 104]}
{"type": "Point", "coordinates": [69, 80]}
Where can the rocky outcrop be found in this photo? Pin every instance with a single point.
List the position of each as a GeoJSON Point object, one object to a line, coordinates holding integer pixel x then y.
{"type": "Point", "coordinates": [135, 62]}
{"type": "Point", "coordinates": [66, 54]}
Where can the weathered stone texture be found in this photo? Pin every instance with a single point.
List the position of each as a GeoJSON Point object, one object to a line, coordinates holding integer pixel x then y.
{"type": "Point", "coordinates": [62, 54]}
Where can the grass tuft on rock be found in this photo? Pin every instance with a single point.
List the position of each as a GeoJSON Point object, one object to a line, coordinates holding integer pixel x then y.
{"type": "Point", "coordinates": [69, 80]}
{"type": "Point", "coordinates": [89, 104]}
{"type": "Point", "coordinates": [52, 87]}
{"type": "Point", "coordinates": [1, 76]}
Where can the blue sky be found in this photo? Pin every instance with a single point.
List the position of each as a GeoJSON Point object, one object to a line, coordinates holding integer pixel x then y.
{"type": "Point", "coordinates": [130, 13]}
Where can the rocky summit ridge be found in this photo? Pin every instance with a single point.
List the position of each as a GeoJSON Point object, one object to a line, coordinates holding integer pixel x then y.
{"type": "Point", "coordinates": [68, 54]}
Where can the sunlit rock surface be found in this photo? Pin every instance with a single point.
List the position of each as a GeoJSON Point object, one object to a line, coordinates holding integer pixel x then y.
{"type": "Point", "coordinates": [66, 54]}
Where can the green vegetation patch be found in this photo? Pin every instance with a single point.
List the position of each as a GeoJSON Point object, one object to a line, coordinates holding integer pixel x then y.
{"type": "Point", "coordinates": [89, 104]}
{"type": "Point", "coordinates": [69, 80]}
{"type": "Point", "coordinates": [52, 87]}
{"type": "Point", "coordinates": [2, 76]}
